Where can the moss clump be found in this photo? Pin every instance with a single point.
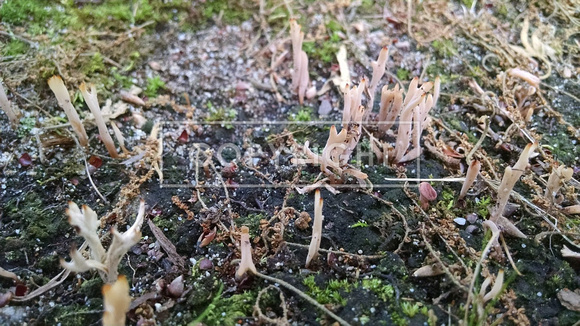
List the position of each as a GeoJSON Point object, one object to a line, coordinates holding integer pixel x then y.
{"type": "Point", "coordinates": [75, 314]}
{"type": "Point", "coordinates": [14, 47]}
{"type": "Point", "coordinates": [121, 14]}
{"type": "Point", "coordinates": [326, 50]}
{"type": "Point", "coordinates": [216, 309]}
{"type": "Point", "coordinates": [303, 115]}
{"type": "Point", "coordinates": [221, 115]}
{"type": "Point", "coordinates": [36, 13]}
{"type": "Point", "coordinates": [231, 12]}
{"type": "Point", "coordinates": [384, 291]}
{"type": "Point", "coordinates": [35, 220]}
{"type": "Point", "coordinates": [92, 288]}
{"type": "Point", "coordinates": [252, 221]}
{"type": "Point", "coordinates": [154, 85]}
{"type": "Point", "coordinates": [331, 293]}
{"type": "Point", "coordinates": [444, 48]}
{"type": "Point", "coordinates": [403, 74]}
{"type": "Point", "coordinates": [95, 64]}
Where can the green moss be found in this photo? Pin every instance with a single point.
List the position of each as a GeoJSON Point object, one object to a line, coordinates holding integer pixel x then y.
{"type": "Point", "coordinates": [226, 311]}
{"type": "Point", "coordinates": [221, 115]}
{"type": "Point", "coordinates": [447, 199]}
{"type": "Point", "coordinates": [92, 288]}
{"type": "Point", "coordinates": [444, 48]}
{"type": "Point", "coordinates": [95, 64]}
{"type": "Point", "coordinates": [304, 115]}
{"type": "Point", "coordinates": [22, 12]}
{"type": "Point", "coordinates": [121, 14]}
{"type": "Point", "coordinates": [154, 85]}
{"type": "Point", "coordinates": [403, 74]}
{"type": "Point", "coordinates": [334, 26]}
{"type": "Point", "coordinates": [384, 291]}
{"type": "Point", "coordinates": [14, 47]}
{"type": "Point", "coordinates": [231, 11]}
{"type": "Point", "coordinates": [25, 126]}
{"type": "Point", "coordinates": [359, 224]}
{"type": "Point", "coordinates": [252, 221]}
{"type": "Point", "coordinates": [35, 220]}
{"type": "Point", "coordinates": [482, 205]}
{"type": "Point", "coordinates": [48, 264]}
{"type": "Point", "coordinates": [467, 3]}
{"type": "Point", "coordinates": [326, 50]}
{"type": "Point", "coordinates": [168, 225]}
{"type": "Point", "coordinates": [502, 10]}
{"type": "Point", "coordinates": [88, 313]}
{"type": "Point", "coordinates": [331, 294]}
{"type": "Point", "coordinates": [410, 309]}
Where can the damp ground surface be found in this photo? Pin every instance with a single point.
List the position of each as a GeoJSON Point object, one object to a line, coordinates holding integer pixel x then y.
{"type": "Point", "coordinates": [212, 79]}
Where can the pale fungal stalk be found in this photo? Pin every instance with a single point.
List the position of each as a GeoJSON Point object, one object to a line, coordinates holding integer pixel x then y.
{"type": "Point", "coordinates": [510, 177]}
{"type": "Point", "coordinates": [11, 112]}
{"type": "Point", "coordinates": [526, 76]}
{"type": "Point", "coordinates": [574, 209]}
{"type": "Point", "coordinates": [470, 176]}
{"type": "Point", "coordinates": [413, 114]}
{"type": "Point", "coordinates": [495, 290]}
{"type": "Point", "coordinates": [300, 77]}
{"type": "Point", "coordinates": [57, 86]}
{"type": "Point", "coordinates": [86, 223]}
{"type": "Point", "coordinates": [493, 242]}
{"type": "Point", "coordinates": [557, 177]}
{"type": "Point", "coordinates": [90, 95]}
{"type": "Point", "coordinates": [378, 72]}
{"type": "Point", "coordinates": [116, 302]}
{"type": "Point", "coordinates": [316, 229]}
{"type": "Point", "coordinates": [340, 145]}
{"type": "Point", "coordinates": [246, 263]}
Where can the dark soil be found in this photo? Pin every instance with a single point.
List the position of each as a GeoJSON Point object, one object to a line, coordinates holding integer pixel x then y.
{"type": "Point", "coordinates": [221, 91]}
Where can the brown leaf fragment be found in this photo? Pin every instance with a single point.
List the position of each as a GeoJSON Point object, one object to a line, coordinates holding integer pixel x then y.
{"type": "Point", "coordinates": [167, 246]}
{"type": "Point", "coordinates": [130, 98]}
{"type": "Point", "coordinates": [570, 299]}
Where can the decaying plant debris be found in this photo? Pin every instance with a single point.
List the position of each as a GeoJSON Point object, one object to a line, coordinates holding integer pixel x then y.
{"type": "Point", "coordinates": [441, 135]}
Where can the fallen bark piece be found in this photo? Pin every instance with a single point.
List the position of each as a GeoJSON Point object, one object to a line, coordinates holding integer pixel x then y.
{"type": "Point", "coordinates": [570, 299]}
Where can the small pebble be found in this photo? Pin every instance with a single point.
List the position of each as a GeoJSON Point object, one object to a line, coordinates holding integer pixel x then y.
{"type": "Point", "coordinates": [471, 218]}
{"type": "Point", "coordinates": [325, 107]}
{"type": "Point", "coordinates": [205, 264]}
{"type": "Point", "coordinates": [460, 220]}
{"type": "Point", "coordinates": [471, 229]}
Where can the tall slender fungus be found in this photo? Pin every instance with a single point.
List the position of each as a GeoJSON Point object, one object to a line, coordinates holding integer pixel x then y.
{"type": "Point", "coordinates": [316, 229]}
{"type": "Point", "coordinates": [510, 177]}
{"type": "Point", "coordinates": [246, 264]}
{"type": "Point", "coordinates": [6, 106]}
{"type": "Point", "coordinates": [470, 176]}
{"type": "Point", "coordinates": [300, 78]}
{"type": "Point", "coordinates": [90, 96]}
{"type": "Point", "coordinates": [116, 301]}
{"type": "Point", "coordinates": [57, 86]}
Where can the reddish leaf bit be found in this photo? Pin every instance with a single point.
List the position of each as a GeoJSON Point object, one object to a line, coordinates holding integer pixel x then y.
{"type": "Point", "coordinates": [229, 170]}
{"type": "Point", "coordinates": [25, 160]}
{"type": "Point", "coordinates": [95, 161]}
{"type": "Point", "coordinates": [449, 151]}
{"type": "Point", "coordinates": [426, 194]}
{"type": "Point", "coordinates": [20, 290]}
{"type": "Point", "coordinates": [206, 237]}
{"type": "Point", "coordinates": [184, 137]}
